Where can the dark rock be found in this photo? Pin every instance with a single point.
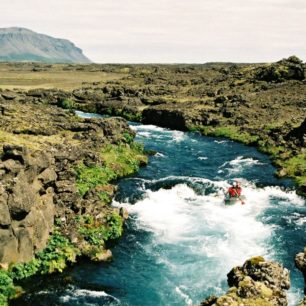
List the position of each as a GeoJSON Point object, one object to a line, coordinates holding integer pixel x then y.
{"type": "Point", "coordinates": [220, 100]}
{"type": "Point", "coordinates": [9, 95]}
{"type": "Point", "coordinates": [211, 300]}
{"type": "Point", "coordinates": [173, 119]}
{"type": "Point", "coordinates": [286, 69]}
{"type": "Point", "coordinates": [298, 133]}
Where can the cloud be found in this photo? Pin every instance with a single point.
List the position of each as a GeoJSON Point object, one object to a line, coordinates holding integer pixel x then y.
{"type": "Point", "coordinates": [168, 30]}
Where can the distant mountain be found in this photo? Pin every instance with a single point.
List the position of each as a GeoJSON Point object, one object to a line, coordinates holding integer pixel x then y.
{"type": "Point", "coordinates": [23, 45]}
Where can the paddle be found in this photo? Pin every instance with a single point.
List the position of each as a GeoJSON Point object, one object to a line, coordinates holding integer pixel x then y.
{"type": "Point", "coordinates": [239, 197]}
{"type": "Point", "coordinates": [242, 202]}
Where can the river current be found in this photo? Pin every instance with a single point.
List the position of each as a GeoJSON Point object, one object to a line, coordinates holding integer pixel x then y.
{"type": "Point", "coordinates": [181, 240]}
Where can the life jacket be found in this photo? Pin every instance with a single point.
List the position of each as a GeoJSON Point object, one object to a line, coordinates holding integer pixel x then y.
{"type": "Point", "coordinates": [234, 191]}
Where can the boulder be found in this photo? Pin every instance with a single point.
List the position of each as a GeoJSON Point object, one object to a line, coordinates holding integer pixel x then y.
{"type": "Point", "coordinates": [26, 203]}
{"type": "Point", "coordinates": [9, 95]}
{"type": "Point", "coordinates": [291, 68]}
{"type": "Point", "coordinates": [300, 263]}
{"type": "Point", "coordinates": [298, 133]}
{"type": "Point", "coordinates": [257, 282]}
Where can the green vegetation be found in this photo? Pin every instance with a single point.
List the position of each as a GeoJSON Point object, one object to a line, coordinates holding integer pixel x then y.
{"type": "Point", "coordinates": [67, 104]}
{"type": "Point", "coordinates": [97, 234]}
{"type": "Point", "coordinates": [112, 111]}
{"type": "Point", "coordinates": [296, 167]}
{"type": "Point", "coordinates": [90, 177]}
{"type": "Point", "coordinates": [268, 147]}
{"type": "Point", "coordinates": [131, 116]}
{"type": "Point", "coordinates": [255, 260]}
{"type": "Point", "coordinates": [119, 160]}
{"type": "Point", "coordinates": [7, 288]}
{"type": "Point", "coordinates": [54, 258]}
{"type": "Point", "coordinates": [231, 132]}
{"type": "Point", "coordinates": [128, 137]}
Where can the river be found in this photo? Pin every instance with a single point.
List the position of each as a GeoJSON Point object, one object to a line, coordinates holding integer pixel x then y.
{"type": "Point", "coordinates": [181, 240]}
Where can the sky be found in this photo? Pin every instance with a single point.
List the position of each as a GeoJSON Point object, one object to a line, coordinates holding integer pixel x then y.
{"type": "Point", "coordinates": [168, 31]}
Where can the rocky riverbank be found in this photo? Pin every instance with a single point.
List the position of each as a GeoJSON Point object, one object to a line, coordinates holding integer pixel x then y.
{"type": "Point", "coordinates": [258, 104]}
{"type": "Point", "coordinates": [56, 186]}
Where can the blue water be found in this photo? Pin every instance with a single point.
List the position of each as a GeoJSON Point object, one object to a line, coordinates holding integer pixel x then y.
{"type": "Point", "coordinates": [181, 240]}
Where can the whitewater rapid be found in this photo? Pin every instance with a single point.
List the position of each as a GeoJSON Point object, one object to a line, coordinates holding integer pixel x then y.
{"type": "Point", "coordinates": [196, 231]}
{"type": "Point", "coordinates": [209, 236]}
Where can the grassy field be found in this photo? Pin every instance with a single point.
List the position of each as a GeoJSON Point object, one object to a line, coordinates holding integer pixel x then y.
{"type": "Point", "coordinates": [25, 76]}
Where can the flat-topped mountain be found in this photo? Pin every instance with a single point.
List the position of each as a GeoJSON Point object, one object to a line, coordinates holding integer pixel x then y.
{"type": "Point", "coordinates": [23, 45]}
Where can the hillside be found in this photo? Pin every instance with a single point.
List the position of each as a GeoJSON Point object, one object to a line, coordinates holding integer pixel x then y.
{"type": "Point", "coordinates": [23, 45]}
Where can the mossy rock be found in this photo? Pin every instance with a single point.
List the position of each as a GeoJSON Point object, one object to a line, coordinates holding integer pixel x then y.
{"type": "Point", "coordinates": [255, 260]}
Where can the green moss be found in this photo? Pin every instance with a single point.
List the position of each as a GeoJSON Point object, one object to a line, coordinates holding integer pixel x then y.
{"type": "Point", "coordinates": [256, 260]}
{"type": "Point", "coordinates": [231, 132]}
{"type": "Point", "coordinates": [131, 116]}
{"type": "Point", "coordinates": [268, 147]}
{"type": "Point", "coordinates": [128, 137]}
{"type": "Point", "coordinates": [104, 197]}
{"type": "Point", "coordinates": [128, 115]}
{"type": "Point", "coordinates": [97, 234]}
{"type": "Point", "coordinates": [120, 160]}
{"type": "Point", "coordinates": [90, 177]}
{"type": "Point", "coordinates": [124, 159]}
{"type": "Point", "coordinates": [296, 167]}
{"type": "Point", "coordinates": [272, 126]}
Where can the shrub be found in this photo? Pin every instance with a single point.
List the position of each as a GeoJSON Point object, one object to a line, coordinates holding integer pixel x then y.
{"type": "Point", "coordinates": [128, 137]}
{"type": "Point", "coordinates": [67, 104]}
{"type": "Point", "coordinates": [98, 234]}
{"type": "Point", "coordinates": [7, 288]}
{"type": "Point", "coordinates": [53, 258]}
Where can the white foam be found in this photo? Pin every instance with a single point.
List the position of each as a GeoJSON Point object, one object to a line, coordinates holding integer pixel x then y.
{"type": "Point", "coordinates": [148, 127]}
{"type": "Point", "coordinates": [185, 296]}
{"type": "Point", "coordinates": [158, 208]}
{"type": "Point", "coordinates": [294, 296]}
{"type": "Point", "coordinates": [145, 134]}
{"type": "Point", "coordinates": [214, 237]}
{"type": "Point", "coordinates": [88, 115]}
{"type": "Point", "coordinates": [202, 158]}
{"type": "Point", "coordinates": [285, 197]}
{"type": "Point", "coordinates": [158, 154]}
{"type": "Point", "coordinates": [74, 294]}
{"type": "Point", "coordinates": [238, 164]}
{"type": "Point", "coordinates": [221, 141]}
{"type": "Point", "coordinates": [180, 215]}
{"type": "Point", "coordinates": [178, 136]}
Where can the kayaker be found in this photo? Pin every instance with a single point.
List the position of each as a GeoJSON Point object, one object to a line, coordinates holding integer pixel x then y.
{"type": "Point", "coordinates": [235, 190]}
